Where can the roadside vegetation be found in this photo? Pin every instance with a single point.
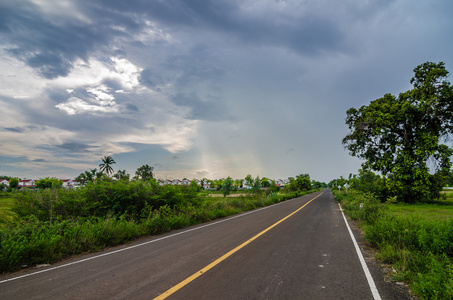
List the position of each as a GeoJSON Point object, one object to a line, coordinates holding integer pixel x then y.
{"type": "Point", "coordinates": [416, 239]}
{"type": "Point", "coordinates": [47, 224]}
{"type": "Point", "coordinates": [403, 211]}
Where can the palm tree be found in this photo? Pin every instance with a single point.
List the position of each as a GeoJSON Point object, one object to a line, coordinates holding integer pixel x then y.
{"type": "Point", "coordinates": [106, 167]}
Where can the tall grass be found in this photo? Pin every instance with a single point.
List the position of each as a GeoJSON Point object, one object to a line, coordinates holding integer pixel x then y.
{"type": "Point", "coordinates": [7, 216]}
{"type": "Point", "coordinates": [419, 248]}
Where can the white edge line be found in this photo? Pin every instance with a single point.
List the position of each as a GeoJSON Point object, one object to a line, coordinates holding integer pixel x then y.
{"type": "Point", "coordinates": [142, 244]}
{"type": "Point", "coordinates": [371, 283]}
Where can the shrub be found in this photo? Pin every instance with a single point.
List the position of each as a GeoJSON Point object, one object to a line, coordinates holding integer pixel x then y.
{"type": "Point", "coordinates": [361, 206]}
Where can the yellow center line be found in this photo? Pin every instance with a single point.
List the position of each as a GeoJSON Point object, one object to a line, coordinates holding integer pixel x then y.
{"type": "Point", "coordinates": [225, 256]}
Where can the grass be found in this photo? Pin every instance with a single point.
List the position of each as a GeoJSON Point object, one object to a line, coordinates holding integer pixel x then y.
{"type": "Point", "coordinates": [36, 241]}
{"type": "Point", "coordinates": [416, 239]}
{"type": "Point", "coordinates": [441, 210]}
{"type": "Point", "coordinates": [6, 215]}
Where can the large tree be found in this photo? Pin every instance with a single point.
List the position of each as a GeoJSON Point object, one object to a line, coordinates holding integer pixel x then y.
{"type": "Point", "coordinates": [402, 137]}
{"type": "Point", "coordinates": [106, 165]}
{"type": "Point", "coordinates": [300, 183]}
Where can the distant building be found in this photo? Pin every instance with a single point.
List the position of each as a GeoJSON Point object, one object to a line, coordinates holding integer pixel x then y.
{"type": "Point", "coordinates": [69, 183]}
{"type": "Point", "coordinates": [28, 183]}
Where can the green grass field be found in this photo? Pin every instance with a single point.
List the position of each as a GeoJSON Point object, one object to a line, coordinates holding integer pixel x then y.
{"type": "Point", "coordinates": [440, 210]}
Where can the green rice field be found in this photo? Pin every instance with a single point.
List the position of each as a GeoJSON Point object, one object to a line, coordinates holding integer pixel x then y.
{"type": "Point", "coordinates": [439, 210]}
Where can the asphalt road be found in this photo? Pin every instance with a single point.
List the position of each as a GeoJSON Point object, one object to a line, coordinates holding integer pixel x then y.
{"type": "Point", "coordinates": [308, 255]}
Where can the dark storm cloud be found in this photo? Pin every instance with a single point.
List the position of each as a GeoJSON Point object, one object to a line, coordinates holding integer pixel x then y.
{"type": "Point", "coordinates": [211, 110]}
{"type": "Point", "coordinates": [14, 129]}
{"type": "Point", "coordinates": [149, 78]}
{"type": "Point", "coordinates": [52, 47]}
{"type": "Point", "coordinates": [199, 64]}
{"type": "Point", "coordinates": [46, 47]}
{"type": "Point", "coordinates": [178, 12]}
{"type": "Point", "coordinates": [305, 34]}
{"type": "Point", "coordinates": [131, 107]}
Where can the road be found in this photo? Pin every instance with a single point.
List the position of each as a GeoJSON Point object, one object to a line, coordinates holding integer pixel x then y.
{"type": "Point", "coordinates": [298, 249]}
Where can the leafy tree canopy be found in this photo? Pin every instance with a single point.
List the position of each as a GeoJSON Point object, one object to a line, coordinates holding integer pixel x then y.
{"type": "Point", "coordinates": [49, 183]}
{"type": "Point", "coordinates": [265, 182]}
{"type": "Point", "coordinates": [300, 183]}
{"type": "Point", "coordinates": [145, 172]}
{"type": "Point", "coordinates": [122, 175]}
{"type": "Point", "coordinates": [14, 183]}
{"type": "Point", "coordinates": [398, 136]}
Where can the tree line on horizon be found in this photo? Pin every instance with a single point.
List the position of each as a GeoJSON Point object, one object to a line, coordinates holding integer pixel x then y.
{"type": "Point", "coordinates": [145, 172]}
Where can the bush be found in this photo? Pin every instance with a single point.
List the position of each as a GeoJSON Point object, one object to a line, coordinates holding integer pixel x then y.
{"type": "Point", "coordinates": [413, 234]}
{"type": "Point", "coordinates": [361, 206]}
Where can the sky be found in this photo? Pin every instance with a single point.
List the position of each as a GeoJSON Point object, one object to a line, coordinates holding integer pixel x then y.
{"type": "Point", "coordinates": [203, 88]}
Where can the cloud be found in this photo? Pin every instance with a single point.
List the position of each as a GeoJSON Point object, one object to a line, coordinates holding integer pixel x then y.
{"type": "Point", "coordinates": [75, 147]}
{"type": "Point", "coordinates": [213, 110]}
{"type": "Point", "coordinates": [77, 106]}
{"type": "Point", "coordinates": [15, 129]}
{"type": "Point", "coordinates": [228, 87]}
{"type": "Point", "coordinates": [40, 160]}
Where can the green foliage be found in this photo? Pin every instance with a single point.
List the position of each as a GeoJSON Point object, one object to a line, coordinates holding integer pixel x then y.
{"type": "Point", "coordinates": [144, 172]}
{"type": "Point", "coordinates": [413, 234]}
{"type": "Point", "coordinates": [89, 176]}
{"type": "Point", "coordinates": [318, 185]}
{"type": "Point", "coordinates": [122, 175]}
{"type": "Point", "coordinates": [368, 182]}
{"type": "Point", "coordinates": [361, 206]}
{"type": "Point", "coordinates": [49, 183]}
{"type": "Point", "coordinates": [273, 187]}
{"type": "Point", "coordinates": [118, 198]}
{"type": "Point", "coordinates": [57, 223]}
{"type": "Point", "coordinates": [256, 187]}
{"type": "Point", "coordinates": [338, 184]}
{"type": "Point", "coordinates": [420, 249]}
{"type": "Point", "coordinates": [227, 186]}
{"type": "Point", "coordinates": [7, 216]}
{"type": "Point", "coordinates": [421, 252]}
{"type": "Point", "coordinates": [49, 205]}
{"type": "Point", "coordinates": [265, 182]}
{"type": "Point", "coordinates": [440, 210]}
{"type": "Point", "coordinates": [300, 183]}
{"type": "Point", "coordinates": [14, 183]}
{"type": "Point", "coordinates": [249, 180]}
{"type": "Point", "coordinates": [399, 135]}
